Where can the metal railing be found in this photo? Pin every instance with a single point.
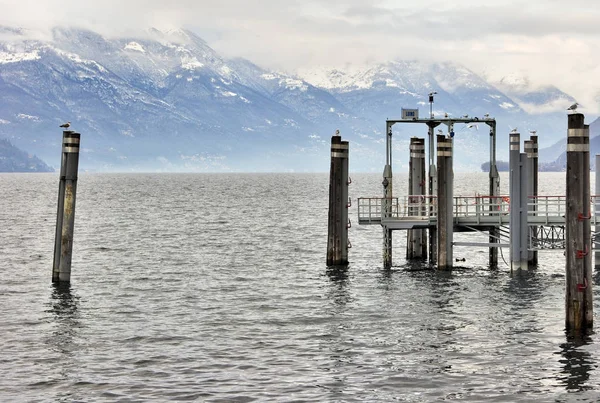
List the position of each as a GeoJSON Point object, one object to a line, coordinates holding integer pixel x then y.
{"type": "Point", "coordinates": [544, 208]}
{"type": "Point", "coordinates": [371, 209]}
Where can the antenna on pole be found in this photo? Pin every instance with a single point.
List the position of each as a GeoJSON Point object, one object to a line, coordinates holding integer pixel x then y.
{"type": "Point", "coordinates": [431, 94]}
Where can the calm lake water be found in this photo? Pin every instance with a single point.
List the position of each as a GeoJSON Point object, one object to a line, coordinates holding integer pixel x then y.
{"type": "Point", "coordinates": [213, 287]}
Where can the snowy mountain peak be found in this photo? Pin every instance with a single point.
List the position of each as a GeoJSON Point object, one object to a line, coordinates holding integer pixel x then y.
{"type": "Point", "coordinates": [135, 46]}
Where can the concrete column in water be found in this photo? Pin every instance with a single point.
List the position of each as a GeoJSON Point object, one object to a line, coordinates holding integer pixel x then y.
{"type": "Point", "coordinates": [578, 298]}
{"type": "Point", "coordinates": [387, 202]}
{"type": "Point", "coordinates": [337, 229]}
{"type": "Point", "coordinates": [65, 216]}
{"type": "Point", "coordinates": [445, 202]}
{"type": "Point", "coordinates": [416, 244]}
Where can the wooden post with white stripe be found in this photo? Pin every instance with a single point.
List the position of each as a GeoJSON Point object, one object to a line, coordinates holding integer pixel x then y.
{"type": "Point", "coordinates": [65, 217]}
{"type": "Point", "coordinates": [445, 203]}
{"type": "Point", "coordinates": [532, 189]}
{"type": "Point", "coordinates": [337, 230]}
{"type": "Point", "coordinates": [416, 245]}
{"type": "Point", "coordinates": [597, 213]}
{"type": "Point", "coordinates": [578, 298]}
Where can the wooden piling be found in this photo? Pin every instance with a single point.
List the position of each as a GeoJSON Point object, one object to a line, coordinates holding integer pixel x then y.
{"type": "Point", "coordinates": [416, 245]}
{"type": "Point", "coordinates": [445, 201]}
{"type": "Point", "coordinates": [387, 206]}
{"type": "Point", "coordinates": [337, 229]}
{"type": "Point", "coordinates": [65, 217]}
{"type": "Point", "coordinates": [597, 213]}
{"type": "Point", "coordinates": [432, 191]}
{"type": "Point", "coordinates": [578, 298]}
{"type": "Point", "coordinates": [494, 190]}
{"type": "Point", "coordinates": [518, 204]}
{"type": "Point", "coordinates": [531, 149]}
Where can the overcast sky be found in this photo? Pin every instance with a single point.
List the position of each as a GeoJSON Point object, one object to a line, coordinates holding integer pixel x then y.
{"type": "Point", "coordinates": [553, 41]}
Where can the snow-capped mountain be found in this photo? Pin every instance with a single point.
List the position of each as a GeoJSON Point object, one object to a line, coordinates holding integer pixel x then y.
{"type": "Point", "coordinates": [380, 91]}
{"type": "Point", "coordinates": [167, 100]}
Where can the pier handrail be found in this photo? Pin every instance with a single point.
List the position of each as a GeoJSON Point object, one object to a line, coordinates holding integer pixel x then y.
{"type": "Point", "coordinates": [371, 209]}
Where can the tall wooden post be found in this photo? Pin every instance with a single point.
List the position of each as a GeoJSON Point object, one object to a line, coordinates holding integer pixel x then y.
{"type": "Point", "coordinates": [579, 298]}
{"type": "Point", "coordinates": [432, 190]}
{"type": "Point", "coordinates": [445, 202]}
{"type": "Point", "coordinates": [531, 149]}
{"type": "Point", "coordinates": [65, 217]}
{"type": "Point", "coordinates": [494, 178]}
{"type": "Point", "coordinates": [597, 213]}
{"type": "Point", "coordinates": [518, 204]}
{"type": "Point", "coordinates": [387, 206]}
{"type": "Point", "coordinates": [337, 229]}
{"type": "Point", "coordinates": [416, 245]}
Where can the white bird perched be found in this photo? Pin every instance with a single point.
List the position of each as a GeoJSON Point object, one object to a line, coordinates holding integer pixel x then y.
{"type": "Point", "coordinates": [487, 115]}
{"type": "Point", "coordinates": [446, 114]}
{"type": "Point", "coordinates": [533, 132]}
{"type": "Point", "coordinates": [337, 132]}
{"type": "Point", "coordinates": [465, 116]}
{"type": "Point", "coordinates": [65, 125]}
{"type": "Point", "coordinates": [515, 130]}
{"type": "Point", "coordinates": [573, 107]}
{"type": "Point", "coordinates": [440, 132]}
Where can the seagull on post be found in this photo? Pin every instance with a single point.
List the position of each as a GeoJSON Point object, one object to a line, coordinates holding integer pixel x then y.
{"type": "Point", "coordinates": [66, 125]}
{"type": "Point", "coordinates": [573, 107]}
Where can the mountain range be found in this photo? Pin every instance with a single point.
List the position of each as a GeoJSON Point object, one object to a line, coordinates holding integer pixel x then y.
{"type": "Point", "coordinates": [167, 101]}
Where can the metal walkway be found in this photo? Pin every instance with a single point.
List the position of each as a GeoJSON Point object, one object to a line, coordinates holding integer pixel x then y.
{"type": "Point", "coordinates": [478, 212]}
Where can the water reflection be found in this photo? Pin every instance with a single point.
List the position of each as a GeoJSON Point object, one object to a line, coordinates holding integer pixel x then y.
{"type": "Point", "coordinates": [65, 314]}
{"type": "Point", "coordinates": [338, 343]}
{"type": "Point", "coordinates": [525, 288]}
{"type": "Point", "coordinates": [338, 289]}
{"type": "Point", "coordinates": [577, 363]}
{"type": "Point", "coordinates": [64, 309]}
{"type": "Point", "coordinates": [444, 287]}
{"type": "Point", "coordinates": [524, 291]}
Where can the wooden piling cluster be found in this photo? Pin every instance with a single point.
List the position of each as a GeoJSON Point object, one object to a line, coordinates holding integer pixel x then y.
{"type": "Point", "coordinates": [338, 222]}
{"type": "Point", "coordinates": [578, 298]}
{"type": "Point", "coordinates": [65, 217]}
{"type": "Point", "coordinates": [523, 199]}
{"type": "Point", "coordinates": [416, 239]}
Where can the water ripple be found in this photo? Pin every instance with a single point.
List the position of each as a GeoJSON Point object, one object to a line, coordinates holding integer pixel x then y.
{"type": "Point", "coordinates": [214, 288]}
